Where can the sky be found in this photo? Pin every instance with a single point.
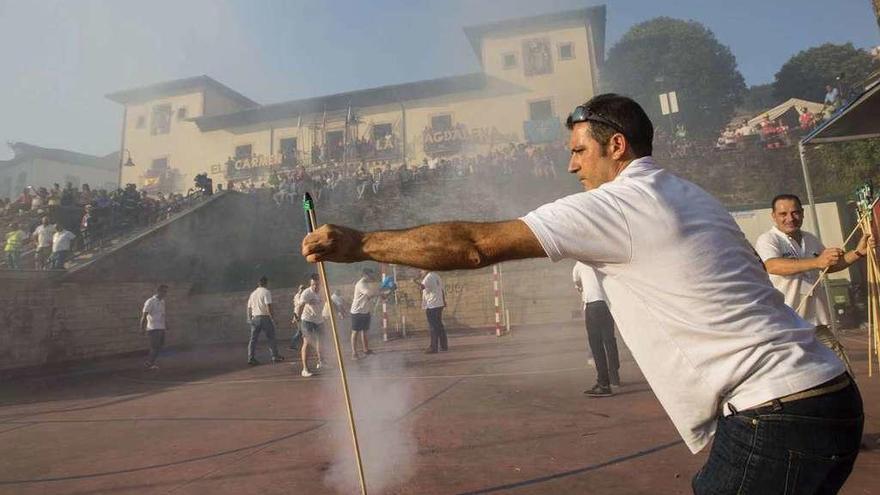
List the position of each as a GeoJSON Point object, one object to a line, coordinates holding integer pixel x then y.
{"type": "Point", "coordinates": [61, 57]}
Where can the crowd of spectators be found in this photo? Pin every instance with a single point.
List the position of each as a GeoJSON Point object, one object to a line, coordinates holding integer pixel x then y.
{"type": "Point", "coordinates": [363, 179]}
{"type": "Point", "coordinates": [90, 217]}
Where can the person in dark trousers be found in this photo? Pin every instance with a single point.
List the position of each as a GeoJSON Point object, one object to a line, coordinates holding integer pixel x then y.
{"type": "Point", "coordinates": [600, 330]}
{"type": "Point", "coordinates": [262, 320]}
{"type": "Point", "coordinates": [153, 325]}
{"type": "Point", "coordinates": [731, 364]}
{"type": "Point", "coordinates": [433, 302]}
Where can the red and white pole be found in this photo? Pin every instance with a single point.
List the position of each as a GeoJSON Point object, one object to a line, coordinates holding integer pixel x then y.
{"type": "Point", "coordinates": [497, 287]}
{"type": "Point", "coordinates": [383, 269]}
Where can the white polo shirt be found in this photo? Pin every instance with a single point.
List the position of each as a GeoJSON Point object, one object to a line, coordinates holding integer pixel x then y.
{"type": "Point", "coordinates": [259, 301]}
{"type": "Point", "coordinates": [591, 289]}
{"type": "Point", "coordinates": [154, 308]}
{"type": "Point", "coordinates": [61, 240]}
{"type": "Point", "coordinates": [313, 306]}
{"type": "Point", "coordinates": [690, 297]}
{"type": "Point", "coordinates": [364, 293]}
{"type": "Point", "coordinates": [432, 293]}
{"type": "Point", "coordinates": [776, 244]}
{"type": "Point", "coordinates": [44, 234]}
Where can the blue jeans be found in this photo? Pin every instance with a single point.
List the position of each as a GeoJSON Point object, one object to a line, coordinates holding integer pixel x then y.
{"type": "Point", "coordinates": [262, 324]}
{"type": "Point", "coordinates": [803, 447]}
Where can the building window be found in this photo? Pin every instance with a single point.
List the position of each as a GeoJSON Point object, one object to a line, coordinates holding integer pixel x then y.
{"type": "Point", "coordinates": [537, 57]}
{"type": "Point", "coordinates": [541, 110]}
{"type": "Point", "coordinates": [161, 121]}
{"type": "Point", "coordinates": [141, 122]}
{"type": "Point", "coordinates": [441, 122]}
{"type": "Point", "coordinates": [380, 131]}
{"type": "Point", "coordinates": [243, 151]}
{"type": "Point", "coordinates": [508, 61]}
{"type": "Point", "coordinates": [159, 164]}
{"type": "Point", "coordinates": [566, 51]}
{"type": "Point", "coordinates": [288, 146]}
{"type": "Point", "coordinates": [181, 113]}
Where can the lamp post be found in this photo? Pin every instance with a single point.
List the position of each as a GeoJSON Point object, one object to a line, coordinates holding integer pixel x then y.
{"type": "Point", "coordinates": [126, 163]}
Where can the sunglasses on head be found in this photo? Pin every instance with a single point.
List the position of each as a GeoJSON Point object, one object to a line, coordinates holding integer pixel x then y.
{"type": "Point", "coordinates": [583, 114]}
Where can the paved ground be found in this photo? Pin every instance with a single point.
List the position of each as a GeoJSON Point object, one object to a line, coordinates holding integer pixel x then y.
{"type": "Point", "coordinates": [491, 416]}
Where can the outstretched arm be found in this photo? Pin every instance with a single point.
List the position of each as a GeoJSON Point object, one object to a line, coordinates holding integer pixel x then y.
{"type": "Point", "coordinates": [439, 246]}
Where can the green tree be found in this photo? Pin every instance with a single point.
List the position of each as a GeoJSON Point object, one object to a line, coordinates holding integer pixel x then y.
{"type": "Point", "coordinates": [759, 98]}
{"type": "Point", "coordinates": [838, 169]}
{"type": "Point", "coordinates": [665, 54]}
{"type": "Point", "coordinates": [806, 74]}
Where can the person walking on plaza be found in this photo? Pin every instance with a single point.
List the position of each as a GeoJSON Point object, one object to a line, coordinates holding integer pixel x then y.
{"type": "Point", "coordinates": [366, 290]}
{"type": "Point", "coordinates": [433, 302]}
{"type": "Point", "coordinates": [600, 330]}
{"type": "Point", "coordinates": [794, 258]}
{"type": "Point", "coordinates": [153, 325]}
{"type": "Point", "coordinates": [261, 320]}
{"type": "Point", "coordinates": [15, 240]}
{"type": "Point", "coordinates": [296, 338]}
{"type": "Point", "coordinates": [43, 239]}
{"type": "Point", "coordinates": [311, 312]}
{"type": "Point", "coordinates": [730, 363]}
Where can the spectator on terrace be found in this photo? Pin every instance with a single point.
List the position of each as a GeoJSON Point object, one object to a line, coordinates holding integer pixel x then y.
{"type": "Point", "coordinates": [362, 178]}
{"type": "Point", "coordinates": [15, 240]}
{"type": "Point", "coordinates": [61, 243]}
{"type": "Point", "coordinates": [806, 120]}
{"type": "Point", "coordinates": [88, 227]}
{"type": "Point", "coordinates": [38, 200]}
{"type": "Point", "coordinates": [43, 238]}
{"type": "Point", "coordinates": [54, 199]}
{"type": "Point", "coordinates": [24, 200]}
{"type": "Point", "coordinates": [85, 195]}
{"type": "Point", "coordinates": [832, 97]}
{"type": "Point", "coordinates": [69, 195]}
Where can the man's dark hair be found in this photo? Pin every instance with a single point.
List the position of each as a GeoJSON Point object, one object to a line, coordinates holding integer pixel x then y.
{"type": "Point", "coordinates": [314, 277]}
{"type": "Point", "coordinates": [161, 287]}
{"type": "Point", "coordinates": [368, 271]}
{"type": "Point", "coordinates": [789, 197]}
{"type": "Point", "coordinates": [629, 115]}
{"type": "Point", "coordinates": [263, 281]}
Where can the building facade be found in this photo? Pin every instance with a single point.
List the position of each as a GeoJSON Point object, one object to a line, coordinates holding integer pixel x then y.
{"type": "Point", "coordinates": [533, 71]}
{"type": "Point", "coordinates": [42, 167]}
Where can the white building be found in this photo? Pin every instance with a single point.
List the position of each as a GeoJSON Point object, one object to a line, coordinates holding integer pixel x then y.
{"type": "Point", "coordinates": [42, 167]}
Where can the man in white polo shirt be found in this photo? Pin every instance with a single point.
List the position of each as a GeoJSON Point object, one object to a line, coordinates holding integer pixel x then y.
{"type": "Point", "coordinates": [311, 311]}
{"type": "Point", "coordinates": [433, 302]}
{"type": "Point", "coordinates": [262, 320]}
{"type": "Point", "coordinates": [366, 290]}
{"type": "Point", "coordinates": [43, 237]}
{"type": "Point", "coordinates": [722, 352]}
{"type": "Point", "coordinates": [795, 258]}
{"type": "Point", "coordinates": [600, 330]}
{"type": "Point", "coordinates": [153, 325]}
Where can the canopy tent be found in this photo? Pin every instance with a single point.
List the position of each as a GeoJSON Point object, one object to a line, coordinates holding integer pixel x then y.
{"type": "Point", "coordinates": [857, 120]}
{"type": "Point", "coordinates": [789, 111]}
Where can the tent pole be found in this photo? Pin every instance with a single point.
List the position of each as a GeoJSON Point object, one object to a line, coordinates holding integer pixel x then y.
{"type": "Point", "coordinates": [815, 226]}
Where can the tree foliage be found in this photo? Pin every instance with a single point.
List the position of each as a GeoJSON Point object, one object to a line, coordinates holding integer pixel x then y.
{"type": "Point", "coordinates": [838, 169]}
{"type": "Point", "coordinates": [759, 98]}
{"type": "Point", "coordinates": [806, 74]}
{"type": "Point", "coordinates": [665, 54]}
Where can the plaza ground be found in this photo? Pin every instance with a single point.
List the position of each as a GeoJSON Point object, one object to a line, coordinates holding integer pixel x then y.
{"type": "Point", "coordinates": [492, 415]}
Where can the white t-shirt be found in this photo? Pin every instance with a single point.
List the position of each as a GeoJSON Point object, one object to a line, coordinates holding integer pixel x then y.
{"type": "Point", "coordinates": [776, 244]}
{"type": "Point", "coordinates": [154, 308]}
{"type": "Point", "coordinates": [432, 294]}
{"type": "Point", "coordinates": [44, 235]}
{"type": "Point", "coordinates": [690, 297]}
{"type": "Point", "coordinates": [313, 306]}
{"type": "Point", "coordinates": [591, 289]}
{"type": "Point", "coordinates": [61, 240]}
{"type": "Point", "coordinates": [259, 301]}
{"type": "Point", "coordinates": [364, 293]}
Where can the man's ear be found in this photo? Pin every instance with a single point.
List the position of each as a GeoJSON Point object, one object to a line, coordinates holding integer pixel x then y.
{"type": "Point", "coordinates": [618, 146]}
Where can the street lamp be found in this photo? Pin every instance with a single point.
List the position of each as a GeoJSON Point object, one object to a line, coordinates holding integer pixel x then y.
{"type": "Point", "coordinates": [127, 163]}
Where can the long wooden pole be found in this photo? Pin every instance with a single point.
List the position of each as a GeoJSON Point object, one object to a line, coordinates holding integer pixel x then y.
{"type": "Point", "coordinates": [311, 223]}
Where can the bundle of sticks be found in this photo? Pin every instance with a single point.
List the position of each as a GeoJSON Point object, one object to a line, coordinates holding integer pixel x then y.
{"type": "Point", "coordinates": [869, 222]}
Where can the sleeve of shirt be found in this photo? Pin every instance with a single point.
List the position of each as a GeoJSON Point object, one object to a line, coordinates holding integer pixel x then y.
{"type": "Point", "coordinates": [268, 298]}
{"type": "Point", "coordinates": [148, 306]}
{"type": "Point", "coordinates": [587, 226]}
{"type": "Point", "coordinates": [767, 248]}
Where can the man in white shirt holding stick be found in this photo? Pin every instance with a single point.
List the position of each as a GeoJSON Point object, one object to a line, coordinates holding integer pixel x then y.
{"type": "Point", "coordinates": [723, 354]}
{"type": "Point", "coordinates": [794, 260]}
